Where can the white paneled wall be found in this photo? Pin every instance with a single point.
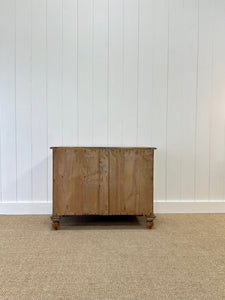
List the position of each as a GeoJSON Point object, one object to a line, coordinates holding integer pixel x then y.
{"type": "Point", "coordinates": [113, 73]}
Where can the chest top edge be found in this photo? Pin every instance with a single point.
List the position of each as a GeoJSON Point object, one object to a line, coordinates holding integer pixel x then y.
{"type": "Point", "coordinates": [80, 147]}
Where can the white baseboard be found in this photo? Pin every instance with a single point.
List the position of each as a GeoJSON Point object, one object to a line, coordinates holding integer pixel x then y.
{"type": "Point", "coordinates": [25, 208]}
{"type": "Point", "coordinates": [189, 207]}
{"type": "Point", "coordinates": [41, 208]}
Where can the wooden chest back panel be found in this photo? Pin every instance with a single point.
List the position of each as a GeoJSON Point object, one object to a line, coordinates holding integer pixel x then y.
{"type": "Point", "coordinates": [130, 181]}
{"type": "Point", "coordinates": [103, 181]}
{"type": "Point", "coordinates": [80, 181]}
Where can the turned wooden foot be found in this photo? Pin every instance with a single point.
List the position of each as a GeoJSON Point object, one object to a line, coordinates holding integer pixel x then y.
{"type": "Point", "coordinates": [150, 220]}
{"type": "Point", "coordinates": [55, 225]}
{"type": "Point", "coordinates": [150, 224]}
{"type": "Point", "coordinates": [55, 222]}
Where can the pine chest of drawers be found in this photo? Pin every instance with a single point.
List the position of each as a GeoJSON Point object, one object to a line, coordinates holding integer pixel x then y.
{"type": "Point", "coordinates": [102, 181]}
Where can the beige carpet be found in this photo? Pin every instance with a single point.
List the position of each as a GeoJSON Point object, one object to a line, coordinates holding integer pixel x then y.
{"type": "Point", "coordinates": [183, 257]}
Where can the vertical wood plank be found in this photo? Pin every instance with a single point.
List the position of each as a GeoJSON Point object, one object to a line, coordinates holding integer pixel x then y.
{"type": "Point", "coordinates": [116, 165]}
{"type": "Point", "coordinates": [103, 181]}
{"type": "Point", "coordinates": [175, 83]}
{"type": "Point", "coordinates": [189, 99]}
{"type": "Point", "coordinates": [144, 203]}
{"type": "Point", "coordinates": [158, 110]}
{"type": "Point", "coordinates": [39, 103]}
{"type": "Point", "coordinates": [217, 147]}
{"type": "Point", "coordinates": [131, 24]}
{"type": "Point", "coordinates": [80, 181]}
{"type": "Point", "coordinates": [100, 72]}
{"type": "Point", "coordinates": [85, 71]}
{"type": "Point", "coordinates": [69, 72]}
{"type": "Point", "coordinates": [90, 181]}
{"type": "Point", "coordinates": [23, 99]}
{"type": "Point", "coordinates": [68, 178]}
{"type": "Point", "coordinates": [115, 70]}
{"type": "Point", "coordinates": [54, 80]}
{"type": "Point", "coordinates": [130, 181]}
{"type": "Point", "coordinates": [204, 99]}
{"type": "Point", "coordinates": [7, 98]}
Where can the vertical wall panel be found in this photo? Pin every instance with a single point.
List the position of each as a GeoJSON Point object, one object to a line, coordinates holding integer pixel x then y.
{"type": "Point", "coordinates": [131, 25]}
{"type": "Point", "coordinates": [145, 60]}
{"type": "Point", "coordinates": [175, 83]}
{"type": "Point", "coordinates": [39, 103]}
{"type": "Point", "coordinates": [218, 106]}
{"type": "Point", "coordinates": [189, 96]}
{"type": "Point", "coordinates": [23, 99]}
{"type": "Point", "coordinates": [7, 97]}
{"type": "Point", "coordinates": [115, 69]}
{"type": "Point", "coordinates": [54, 81]}
{"type": "Point", "coordinates": [0, 159]}
{"type": "Point", "coordinates": [204, 99]}
{"type": "Point", "coordinates": [85, 71]}
{"type": "Point", "coordinates": [100, 72]}
{"type": "Point", "coordinates": [69, 72]}
{"type": "Point", "coordinates": [158, 112]}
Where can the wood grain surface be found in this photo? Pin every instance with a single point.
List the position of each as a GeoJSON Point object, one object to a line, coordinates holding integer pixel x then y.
{"type": "Point", "coordinates": [131, 181]}
{"type": "Point", "coordinates": [102, 181]}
